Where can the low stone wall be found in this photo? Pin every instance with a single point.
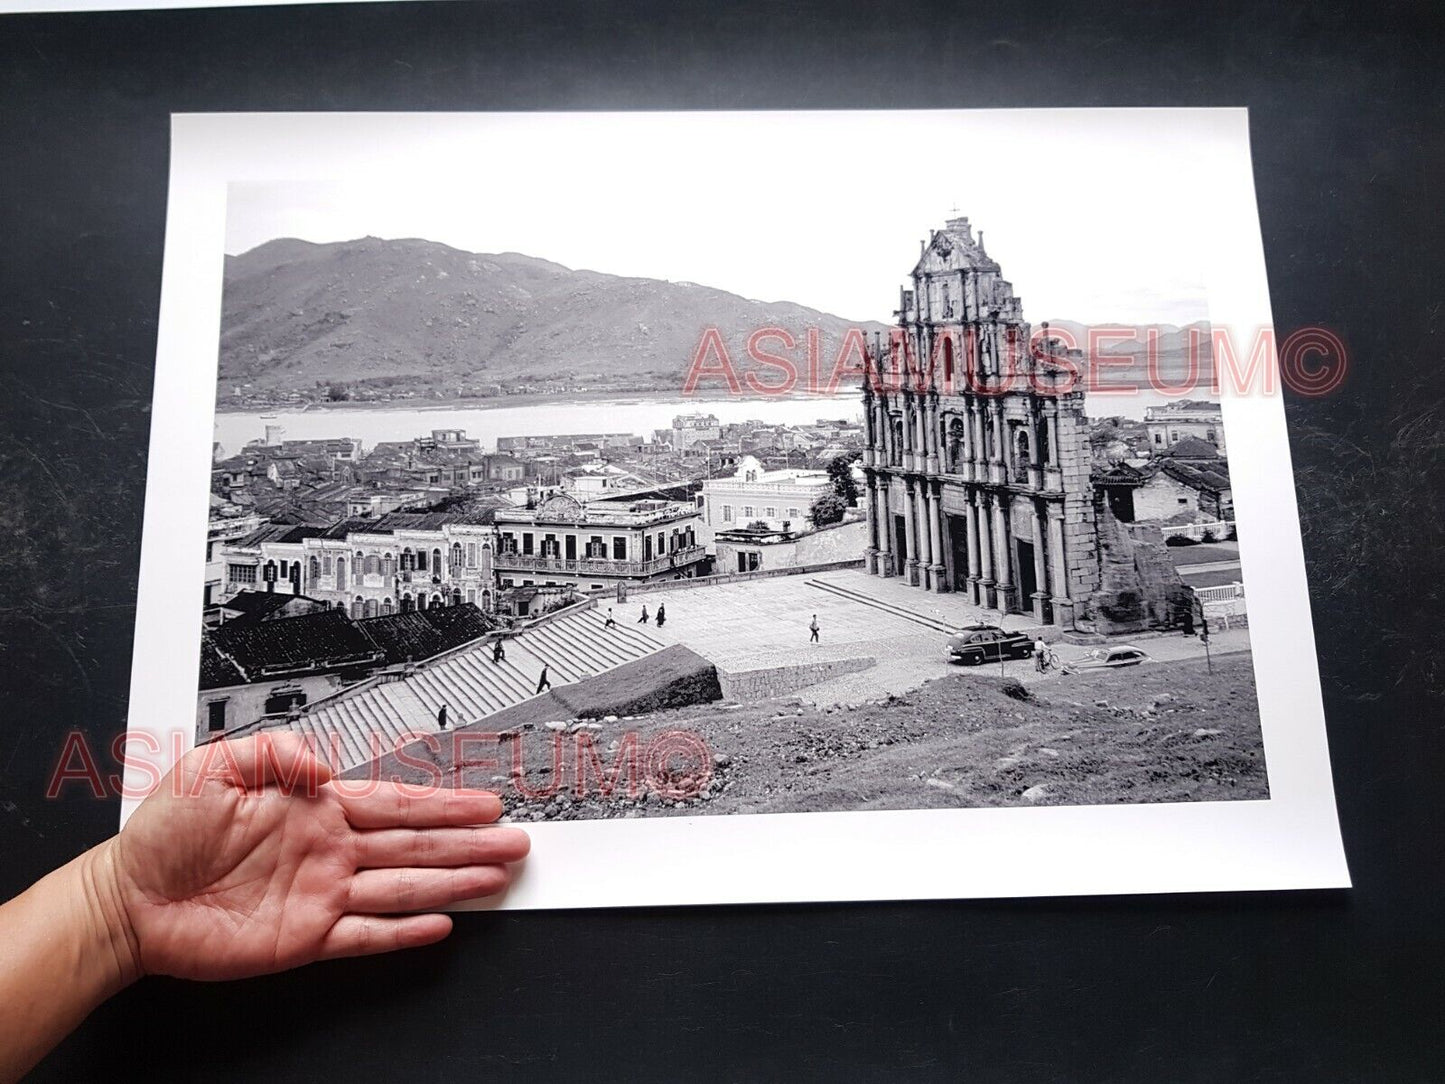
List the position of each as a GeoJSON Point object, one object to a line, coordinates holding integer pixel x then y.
{"type": "Point", "coordinates": [746, 685]}
{"type": "Point", "coordinates": [732, 577]}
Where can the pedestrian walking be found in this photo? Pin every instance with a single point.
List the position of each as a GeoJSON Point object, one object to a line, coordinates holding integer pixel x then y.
{"type": "Point", "coordinates": [499, 653]}
{"type": "Point", "coordinates": [813, 629]}
{"type": "Point", "coordinates": [542, 682]}
{"type": "Point", "coordinates": [661, 614]}
{"type": "Point", "coordinates": [442, 717]}
{"type": "Point", "coordinates": [643, 619]}
{"type": "Point", "coordinates": [611, 622]}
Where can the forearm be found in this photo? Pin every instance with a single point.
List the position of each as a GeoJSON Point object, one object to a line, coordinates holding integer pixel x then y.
{"type": "Point", "coordinates": [65, 946]}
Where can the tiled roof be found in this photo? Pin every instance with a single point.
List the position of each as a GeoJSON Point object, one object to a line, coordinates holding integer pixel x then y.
{"type": "Point", "coordinates": [315, 642]}
{"type": "Point", "coordinates": [1191, 448]}
{"type": "Point", "coordinates": [422, 634]}
{"type": "Point", "coordinates": [392, 522]}
{"type": "Point", "coordinates": [217, 671]}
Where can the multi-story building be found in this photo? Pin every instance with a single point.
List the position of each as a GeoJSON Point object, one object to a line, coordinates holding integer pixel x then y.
{"type": "Point", "coordinates": [688, 429]}
{"type": "Point", "coordinates": [977, 451]}
{"type": "Point", "coordinates": [599, 544]}
{"type": "Point", "coordinates": [752, 494]}
{"type": "Point", "coordinates": [1173, 422]}
{"type": "Point", "coordinates": [370, 567]}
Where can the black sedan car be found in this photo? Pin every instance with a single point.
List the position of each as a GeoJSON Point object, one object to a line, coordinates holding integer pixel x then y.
{"type": "Point", "coordinates": [974, 644]}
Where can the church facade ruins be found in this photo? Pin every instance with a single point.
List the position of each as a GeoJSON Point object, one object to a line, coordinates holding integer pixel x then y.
{"type": "Point", "coordinates": [977, 458]}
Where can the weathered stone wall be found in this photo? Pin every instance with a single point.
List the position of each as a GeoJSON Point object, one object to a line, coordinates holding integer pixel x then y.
{"type": "Point", "coordinates": [1139, 586]}
{"type": "Point", "coordinates": [746, 685]}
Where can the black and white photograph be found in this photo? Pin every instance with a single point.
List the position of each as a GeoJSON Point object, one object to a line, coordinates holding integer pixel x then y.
{"type": "Point", "coordinates": [633, 483]}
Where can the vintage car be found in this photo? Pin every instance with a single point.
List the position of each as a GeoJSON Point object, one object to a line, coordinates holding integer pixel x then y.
{"type": "Point", "coordinates": [1107, 658]}
{"type": "Point", "coordinates": [974, 644]}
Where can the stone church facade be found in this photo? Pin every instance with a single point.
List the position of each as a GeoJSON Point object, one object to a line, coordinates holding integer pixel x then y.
{"type": "Point", "coordinates": [977, 457]}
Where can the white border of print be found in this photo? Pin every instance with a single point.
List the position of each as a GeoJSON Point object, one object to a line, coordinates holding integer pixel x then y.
{"type": "Point", "coordinates": [1290, 841]}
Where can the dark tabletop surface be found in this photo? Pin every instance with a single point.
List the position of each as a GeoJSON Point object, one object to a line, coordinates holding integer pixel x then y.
{"type": "Point", "coordinates": [1345, 108]}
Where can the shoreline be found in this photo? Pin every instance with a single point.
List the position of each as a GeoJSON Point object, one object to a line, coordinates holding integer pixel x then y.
{"type": "Point", "coordinates": [533, 399]}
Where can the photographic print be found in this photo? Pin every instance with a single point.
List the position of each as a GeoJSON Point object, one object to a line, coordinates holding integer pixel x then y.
{"type": "Point", "coordinates": [709, 483]}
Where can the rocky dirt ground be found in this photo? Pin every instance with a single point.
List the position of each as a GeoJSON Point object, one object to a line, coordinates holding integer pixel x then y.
{"type": "Point", "coordinates": [1161, 732]}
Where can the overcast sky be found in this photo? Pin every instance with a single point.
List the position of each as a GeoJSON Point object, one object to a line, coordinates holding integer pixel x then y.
{"type": "Point", "coordinates": [1089, 212]}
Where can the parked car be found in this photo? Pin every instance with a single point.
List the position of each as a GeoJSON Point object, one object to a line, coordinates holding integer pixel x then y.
{"type": "Point", "coordinates": [1107, 658]}
{"type": "Point", "coordinates": [974, 644]}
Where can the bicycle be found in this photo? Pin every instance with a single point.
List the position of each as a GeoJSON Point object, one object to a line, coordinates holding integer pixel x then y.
{"type": "Point", "coordinates": [1046, 660]}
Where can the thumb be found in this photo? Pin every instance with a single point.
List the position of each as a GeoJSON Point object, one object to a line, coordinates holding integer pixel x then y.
{"type": "Point", "coordinates": [282, 759]}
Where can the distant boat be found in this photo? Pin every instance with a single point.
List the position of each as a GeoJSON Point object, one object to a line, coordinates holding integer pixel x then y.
{"type": "Point", "coordinates": [268, 417]}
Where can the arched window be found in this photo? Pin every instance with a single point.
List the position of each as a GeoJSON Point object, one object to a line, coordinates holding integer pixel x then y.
{"type": "Point", "coordinates": [436, 600]}
{"type": "Point", "coordinates": [358, 567]}
{"type": "Point", "coordinates": [408, 560]}
{"type": "Point", "coordinates": [313, 570]}
{"type": "Point", "coordinates": [326, 569]}
{"type": "Point", "coordinates": [373, 565]}
{"type": "Point", "coordinates": [388, 566]}
{"type": "Point", "coordinates": [421, 560]}
{"type": "Point", "coordinates": [456, 596]}
{"type": "Point", "coordinates": [486, 600]}
{"type": "Point", "coordinates": [436, 562]}
{"type": "Point", "coordinates": [386, 606]}
{"type": "Point", "coordinates": [368, 608]}
{"type": "Point", "coordinates": [1022, 458]}
{"type": "Point", "coordinates": [421, 602]}
{"type": "Point", "coordinates": [341, 573]}
{"type": "Point", "coordinates": [407, 603]}
{"type": "Point", "coordinates": [358, 608]}
{"type": "Point", "coordinates": [456, 556]}
{"type": "Point", "coordinates": [947, 352]}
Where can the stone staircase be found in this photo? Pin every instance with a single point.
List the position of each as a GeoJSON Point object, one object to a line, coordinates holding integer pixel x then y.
{"type": "Point", "coordinates": [352, 729]}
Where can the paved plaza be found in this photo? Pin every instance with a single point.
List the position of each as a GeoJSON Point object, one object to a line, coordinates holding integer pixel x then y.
{"type": "Point", "coordinates": [763, 623]}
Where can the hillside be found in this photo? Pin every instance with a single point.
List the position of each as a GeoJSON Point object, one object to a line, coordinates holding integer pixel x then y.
{"type": "Point", "coordinates": [382, 317]}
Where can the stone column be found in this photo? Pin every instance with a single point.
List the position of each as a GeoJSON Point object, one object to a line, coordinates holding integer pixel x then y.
{"type": "Point", "coordinates": [935, 521]}
{"type": "Point", "coordinates": [1053, 473]}
{"type": "Point", "coordinates": [885, 532]}
{"type": "Point", "coordinates": [930, 421]}
{"type": "Point", "coordinates": [970, 518]}
{"type": "Point", "coordinates": [1041, 586]}
{"type": "Point", "coordinates": [1003, 559]}
{"type": "Point", "coordinates": [1063, 605]}
{"type": "Point", "coordinates": [870, 555]}
{"type": "Point", "coordinates": [985, 550]}
{"type": "Point", "coordinates": [910, 534]}
{"type": "Point", "coordinates": [925, 536]}
{"type": "Point", "coordinates": [1000, 453]}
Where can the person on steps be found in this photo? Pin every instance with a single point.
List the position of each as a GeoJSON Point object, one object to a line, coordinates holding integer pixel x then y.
{"type": "Point", "coordinates": [661, 614]}
{"type": "Point", "coordinates": [643, 619]}
{"type": "Point", "coordinates": [611, 622]}
{"type": "Point", "coordinates": [543, 682]}
{"type": "Point", "coordinates": [499, 653]}
{"type": "Point", "coordinates": [813, 629]}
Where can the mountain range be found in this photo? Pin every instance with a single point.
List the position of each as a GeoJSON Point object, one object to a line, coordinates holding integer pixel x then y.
{"type": "Point", "coordinates": [419, 314]}
{"type": "Point", "coordinates": [376, 318]}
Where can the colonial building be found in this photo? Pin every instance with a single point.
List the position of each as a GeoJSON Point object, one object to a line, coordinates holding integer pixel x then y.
{"type": "Point", "coordinates": [1173, 422]}
{"type": "Point", "coordinates": [372, 567]}
{"type": "Point", "coordinates": [599, 544]}
{"type": "Point", "coordinates": [977, 459]}
{"type": "Point", "coordinates": [779, 500]}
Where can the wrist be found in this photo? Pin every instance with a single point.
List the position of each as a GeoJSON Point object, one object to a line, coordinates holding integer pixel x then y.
{"type": "Point", "coordinates": [109, 945]}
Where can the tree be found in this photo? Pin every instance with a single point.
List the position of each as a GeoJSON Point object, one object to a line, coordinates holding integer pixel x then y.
{"type": "Point", "coordinates": [840, 470]}
{"type": "Point", "coordinates": [828, 509]}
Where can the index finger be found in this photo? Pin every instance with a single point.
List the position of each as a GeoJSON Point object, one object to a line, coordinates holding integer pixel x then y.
{"type": "Point", "coordinates": [403, 805]}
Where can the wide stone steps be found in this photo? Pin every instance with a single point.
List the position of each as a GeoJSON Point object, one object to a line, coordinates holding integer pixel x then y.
{"type": "Point", "coordinates": [353, 729]}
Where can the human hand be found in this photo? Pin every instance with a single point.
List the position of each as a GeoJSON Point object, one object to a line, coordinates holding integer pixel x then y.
{"type": "Point", "coordinates": [256, 861]}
